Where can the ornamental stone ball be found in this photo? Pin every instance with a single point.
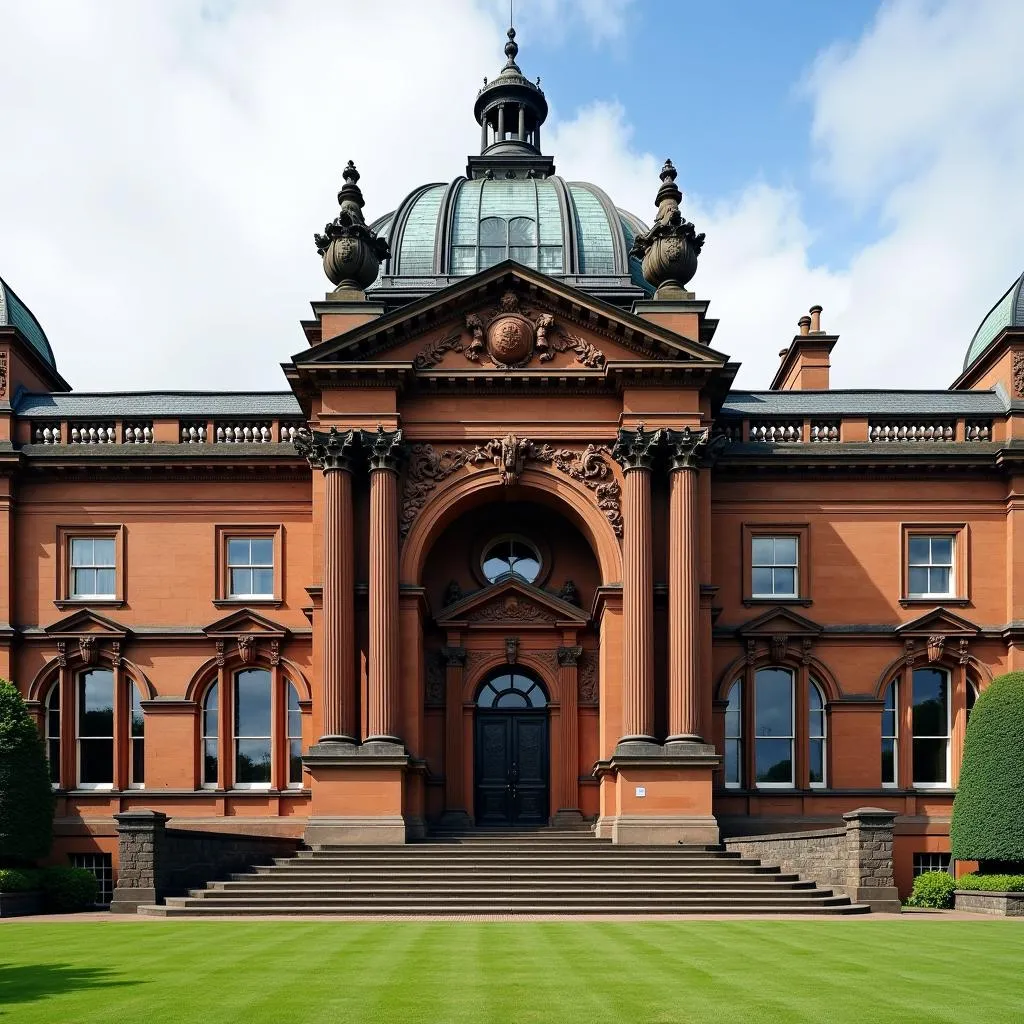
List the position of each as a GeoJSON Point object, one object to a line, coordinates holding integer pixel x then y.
{"type": "Point", "coordinates": [669, 250]}
{"type": "Point", "coordinates": [351, 251]}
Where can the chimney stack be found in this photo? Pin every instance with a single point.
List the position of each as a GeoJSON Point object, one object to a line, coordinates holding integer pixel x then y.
{"type": "Point", "coordinates": [806, 363]}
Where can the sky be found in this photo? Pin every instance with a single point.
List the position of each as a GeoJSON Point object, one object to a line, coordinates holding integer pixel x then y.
{"type": "Point", "coordinates": [165, 164]}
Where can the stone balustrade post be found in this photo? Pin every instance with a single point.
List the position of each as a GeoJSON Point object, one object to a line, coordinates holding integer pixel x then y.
{"type": "Point", "coordinates": [869, 866]}
{"type": "Point", "coordinates": [140, 847]}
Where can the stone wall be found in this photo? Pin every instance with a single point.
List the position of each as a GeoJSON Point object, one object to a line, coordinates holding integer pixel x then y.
{"type": "Point", "coordinates": [998, 904]}
{"type": "Point", "coordinates": [855, 860]}
{"type": "Point", "coordinates": [156, 861]}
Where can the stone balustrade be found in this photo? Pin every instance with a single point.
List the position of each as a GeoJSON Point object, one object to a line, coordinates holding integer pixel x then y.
{"type": "Point", "coordinates": [193, 433]}
{"type": "Point", "coordinates": [138, 433]}
{"type": "Point", "coordinates": [978, 430]}
{"type": "Point", "coordinates": [92, 433]}
{"type": "Point", "coordinates": [289, 430]}
{"type": "Point", "coordinates": [47, 433]}
{"type": "Point", "coordinates": [855, 429]}
{"type": "Point", "coordinates": [243, 432]}
{"type": "Point", "coordinates": [913, 430]}
{"type": "Point", "coordinates": [824, 431]}
{"type": "Point", "coordinates": [776, 431]}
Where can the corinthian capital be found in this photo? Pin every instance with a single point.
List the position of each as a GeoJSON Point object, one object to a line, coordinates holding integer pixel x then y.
{"type": "Point", "coordinates": [686, 447]}
{"type": "Point", "coordinates": [327, 450]}
{"type": "Point", "coordinates": [383, 447]}
{"type": "Point", "coordinates": [636, 449]}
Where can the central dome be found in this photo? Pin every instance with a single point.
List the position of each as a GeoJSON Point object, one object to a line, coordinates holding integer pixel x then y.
{"type": "Point", "coordinates": [510, 206]}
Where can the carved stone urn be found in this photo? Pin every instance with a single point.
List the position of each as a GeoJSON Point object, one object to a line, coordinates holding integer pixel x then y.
{"type": "Point", "coordinates": [352, 253]}
{"type": "Point", "coordinates": [669, 250]}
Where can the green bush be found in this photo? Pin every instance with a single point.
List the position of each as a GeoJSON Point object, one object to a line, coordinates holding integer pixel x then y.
{"type": "Point", "coordinates": [992, 883]}
{"type": "Point", "coordinates": [26, 798]}
{"type": "Point", "coordinates": [14, 880]}
{"type": "Point", "coordinates": [933, 889]}
{"type": "Point", "coordinates": [69, 889]}
{"type": "Point", "coordinates": [988, 812]}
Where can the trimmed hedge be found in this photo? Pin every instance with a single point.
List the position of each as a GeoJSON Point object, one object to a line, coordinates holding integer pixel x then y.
{"type": "Point", "coordinates": [15, 880]}
{"type": "Point", "coordinates": [991, 883]}
{"type": "Point", "coordinates": [988, 812]}
{"type": "Point", "coordinates": [26, 798]}
{"type": "Point", "coordinates": [69, 889]}
{"type": "Point", "coordinates": [934, 890]}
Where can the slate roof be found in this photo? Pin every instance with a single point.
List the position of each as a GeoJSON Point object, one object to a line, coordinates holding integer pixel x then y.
{"type": "Point", "coordinates": [169, 404]}
{"type": "Point", "coordinates": [14, 313]}
{"type": "Point", "coordinates": [755, 404]}
{"type": "Point", "coordinates": [1007, 312]}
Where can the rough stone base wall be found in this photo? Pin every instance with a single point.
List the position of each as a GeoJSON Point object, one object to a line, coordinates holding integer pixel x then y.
{"type": "Point", "coordinates": [20, 904]}
{"type": "Point", "coordinates": [998, 904]}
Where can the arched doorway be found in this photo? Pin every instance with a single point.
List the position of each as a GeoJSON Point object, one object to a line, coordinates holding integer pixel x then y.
{"type": "Point", "coordinates": [511, 764]}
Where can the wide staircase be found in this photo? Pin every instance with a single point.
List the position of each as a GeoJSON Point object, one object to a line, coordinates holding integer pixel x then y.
{"type": "Point", "coordinates": [546, 872]}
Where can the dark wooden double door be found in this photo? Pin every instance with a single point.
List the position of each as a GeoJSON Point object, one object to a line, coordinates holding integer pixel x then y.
{"type": "Point", "coordinates": [511, 769]}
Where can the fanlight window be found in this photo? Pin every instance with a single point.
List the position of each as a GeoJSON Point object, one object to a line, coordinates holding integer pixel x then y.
{"type": "Point", "coordinates": [502, 239]}
{"type": "Point", "coordinates": [511, 691]}
{"type": "Point", "coordinates": [511, 556]}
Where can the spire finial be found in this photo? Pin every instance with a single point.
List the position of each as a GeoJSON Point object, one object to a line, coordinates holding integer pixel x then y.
{"type": "Point", "coordinates": [511, 48]}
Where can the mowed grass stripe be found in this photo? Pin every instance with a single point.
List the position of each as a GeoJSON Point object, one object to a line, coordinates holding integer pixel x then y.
{"type": "Point", "coordinates": [662, 972]}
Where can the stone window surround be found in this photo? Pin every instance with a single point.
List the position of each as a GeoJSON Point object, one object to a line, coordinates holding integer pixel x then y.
{"type": "Point", "coordinates": [960, 533]}
{"type": "Point", "coordinates": [802, 532]}
{"type": "Point", "coordinates": [65, 534]}
{"type": "Point", "coordinates": [222, 587]}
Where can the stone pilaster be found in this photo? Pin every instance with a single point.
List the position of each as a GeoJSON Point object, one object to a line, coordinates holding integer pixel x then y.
{"type": "Point", "coordinates": [384, 449]}
{"type": "Point", "coordinates": [332, 452]}
{"type": "Point", "coordinates": [567, 795]}
{"type": "Point", "coordinates": [684, 450]}
{"type": "Point", "coordinates": [869, 836]}
{"type": "Point", "coordinates": [455, 811]}
{"type": "Point", "coordinates": [635, 451]}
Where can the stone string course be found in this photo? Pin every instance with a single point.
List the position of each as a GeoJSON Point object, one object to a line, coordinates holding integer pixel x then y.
{"type": "Point", "coordinates": [855, 860]}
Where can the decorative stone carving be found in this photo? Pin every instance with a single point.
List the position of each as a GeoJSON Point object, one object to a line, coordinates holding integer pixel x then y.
{"type": "Point", "coordinates": [1018, 374]}
{"type": "Point", "coordinates": [636, 449]}
{"type": "Point", "coordinates": [669, 250]}
{"type": "Point", "coordinates": [805, 650]}
{"type": "Point", "coordinates": [686, 447]}
{"type": "Point", "coordinates": [512, 609]}
{"type": "Point", "coordinates": [246, 648]}
{"type": "Point", "coordinates": [570, 593]}
{"type": "Point", "coordinates": [351, 251]}
{"type": "Point", "coordinates": [3, 374]}
{"type": "Point", "coordinates": [569, 657]}
{"type": "Point", "coordinates": [751, 652]}
{"type": "Point", "coordinates": [964, 656]}
{"type": "Point", "coordinates": [935, 645]}
{"type": "Point", "coordinates": [434, 681]}
{"type": "Point", "coordinates": [431, 355]}
{"type": "Point", "coordinates": [586, 679]}
{"type": "Point", "coordinates": [383, 447]}
{"type": "Point", "coordinates": [909, 654]}
{"type": "Point", "coordinates": [427, 469]}
{"type": "Point", "coordinates": [327, 450]}
{"type": "Point", "coordinates": [219, 648]}
{"type": "Point", "coordinates": [87, 650]}
{"type": "Point", "coordinates": [452, 593]}
{"type": "Point", "coordinates": [779, 643]}
{"type": "Point", "coordinates": [511, 649]}
{"type": "Point", "coordinates": [62, 653]}
{"type": "Point", "coordinates": [454, 655]}
{"type": "Point", "coordinates": [475, 348]}
{"type": "Point", "coordinates": [510, 340]}
{"type": "Point", "coordinates": [275, 652]}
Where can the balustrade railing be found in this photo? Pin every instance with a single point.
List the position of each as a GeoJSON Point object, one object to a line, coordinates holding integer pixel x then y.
{"type": "Point", "coordinates": [138, 433]}
{"type": "Point", "coordinates": [776, 431]}
{"type": "Point", "coordinates": [911, 430]}
{"type": "Point", "coordinates": [978, 430]}
{"type": "Point", "coordinates": [824, 431]}
{"type": "Point", "coordinates": [46, 433]}
{"type": "Point", "coordinates": [104, 432]}
{"type": "Point", "coordinates": [243, 432]}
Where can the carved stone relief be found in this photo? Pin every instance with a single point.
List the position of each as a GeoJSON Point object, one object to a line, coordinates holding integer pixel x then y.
{"type": "Point", "coordinates": [586, 676]}
{"type": "Point", "coordinates": [87, 649]}
{"type": "Point", "coordinates": [935, 645]}
{"type": "Point", "coordinates": [434, 683]}
{"type": "Point", "coordinates": [1018, 374]}
{"type": "Point", "coordinates": [511, 609]}
{"type": "Point", "coordinates": [3, 374]}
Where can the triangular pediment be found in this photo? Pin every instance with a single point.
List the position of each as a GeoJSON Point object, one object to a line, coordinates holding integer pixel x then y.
{"type": "Point", "coordinates": [938, 621]}
{"type": "Point", "coordinates": [778, 621]}
{"type": "Point", "coordinates": [512, 602]}
{"type": "Point", "coordinates": [85, 622]}
{"type": "Point", "coordinates": [245, 621]}
{"type": "Point", "coordinates": [508, 317]}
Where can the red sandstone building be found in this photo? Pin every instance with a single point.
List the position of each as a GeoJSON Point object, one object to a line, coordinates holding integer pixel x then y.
{"type": "Point", "coordinates": [511, 549]}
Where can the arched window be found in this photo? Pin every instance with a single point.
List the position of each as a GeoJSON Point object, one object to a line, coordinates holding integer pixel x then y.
{"type": "Point", "coordinates": [136, 740]}
{"type": "Point", "coordinates": [253, 729]}
{"type": "Point", "coordinates": [502, 239]}
{"type": "Point", "coordinates": [53, 732]}
{"type": "Point", "coordinates": [773, 727]}
{"type": "Point", "coordinates": [511, 690]}
{"type": "Point", "coordinates": [816, 735]}
{"type": "Point", "coordinates": [95, 722]}
{"type": "Point", "coordinates": [890, 735]}
{"type": "Point", "coordinates": [931, 725]}
{"type": "Point", "coordinates": [734, 736]}
{"type": "Point", "coordinates": [294, 732]}
{"type": "Point", "coordinates": [211, 737]}
{"type": "Point", "coordinates": [506, 557]}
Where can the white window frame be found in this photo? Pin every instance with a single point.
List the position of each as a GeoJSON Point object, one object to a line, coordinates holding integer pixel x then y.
{"type": "Point", "coordinates": [792, 727]}
{"type": "Point", "coordinates": [947, 784]}
{"type": "Point", "coordinates": [812, 686]}
{"type": "Point", "coordinates": [289, 736]}
{"type": "Point", "coordinates": [205, 735]}
{"type": "Point", "coordinates": [930, 537]}
{"type": "Point", "coordinates": [236, 737]}
{"type": "Point", "coordinates": [133, 689]}
{"type": "Point", "coordinates": [894, 688]}
{"type": "Point", "coordinates": [99, 786]}
{"type": "Point", "coordinates": [737, 686]}
{"type": "Point", "coordinates": [795, 566]}
{"type": "Point", "coordinates": [49, 736]}
{"type": "Point", "coordinates": [251, 566]}
{"type": "Point", "coordinates": [73, 592]}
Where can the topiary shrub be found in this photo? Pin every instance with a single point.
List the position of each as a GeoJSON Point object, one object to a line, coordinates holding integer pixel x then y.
{"type": "Point", "coordinates": [988, 812]}
{"type": "Point", "coordinates": [69, 889]}
{"type": "Point", "coordinates": [992, 883]}
{"type": "Point", "coordinates": [26, 798]}
{"type": "Point", "coordinates": [14, 880]}
{"type": "Point", "coordinates": [934, 890]}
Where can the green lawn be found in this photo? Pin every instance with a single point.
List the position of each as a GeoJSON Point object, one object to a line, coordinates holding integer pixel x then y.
{"type": "Point", "coordinates": [734, 972]}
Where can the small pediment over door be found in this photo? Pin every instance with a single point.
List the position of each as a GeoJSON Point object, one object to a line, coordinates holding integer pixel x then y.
{"type": "Point", "coordinates": [86, 622]}
{"type": "Point", "coordinates": [249, 631]}
{"type": "Point", "coordinates": [783, 631]}
{"type": "Point", "coordinates": [939, 621]}
{"type": "Point", "coordinates": [512, 603]}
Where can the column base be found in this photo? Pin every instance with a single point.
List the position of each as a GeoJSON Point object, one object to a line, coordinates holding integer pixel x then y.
{"type": "Point", "coordinates": [881, 899]}
{"type": "Point", "coordinates": [456, 820]}
{"type": "Point", "coordinates": [568, 817]}
{"type": "Point", "coordinates": [128, 901]}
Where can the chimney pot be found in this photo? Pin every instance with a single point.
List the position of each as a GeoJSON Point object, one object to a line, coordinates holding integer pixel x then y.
{"type": "Point", "coordinates": [804, 323]}
{"type": "Point", "coordinates": [815, 319]}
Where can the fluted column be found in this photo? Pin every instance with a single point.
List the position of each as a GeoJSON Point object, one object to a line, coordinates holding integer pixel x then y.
{"type": "Point", "coordinates": [684, 449]}
{"type": "Point", "coordinates": [635, 451]}
{"type": "Point", "coordinates": [383, 449]}
{"type": "Point", "coordinates": [455, 663]}
{"type": "Point", "coordinates": [332, 452]}
{"type": "Point", "coordinates": [568, 669]}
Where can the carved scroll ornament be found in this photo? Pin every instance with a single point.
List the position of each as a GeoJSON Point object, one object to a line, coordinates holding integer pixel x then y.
{"type": "Point", "coordinates": [1018, 374]}
{"type": "Point", "coordinates": [509, 455]}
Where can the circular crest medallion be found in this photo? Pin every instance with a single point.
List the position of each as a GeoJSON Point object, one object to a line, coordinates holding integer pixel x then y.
{"type": "Point", "coordinates": [510, 339]}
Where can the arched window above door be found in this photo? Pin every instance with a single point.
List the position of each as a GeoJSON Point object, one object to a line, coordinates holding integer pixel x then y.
{"type": "Point", "coordinates": [512, 690]}
{"type": "Point", "coordinates": [511, 557]}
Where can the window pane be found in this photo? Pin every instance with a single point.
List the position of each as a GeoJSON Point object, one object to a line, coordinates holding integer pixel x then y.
{"type": "Point", "coordinates": [103, 551]}
{"type": "Point", "coordinates": [785, 581]}
{"type": "Point", "coordinates": [522, 231]}
{"type": "Point", "coordinates": [919, 550]}
{"type": "Point", "coordinates": [295, 762]}
{"type": "Point", "coordinates": [293, 699]}
{"type": "Point", "coordinates": [253, 761]}
{"type": "Point", "coordinates": [489, 256]}
{"type": "Point", "coordinates": [241, 581]}
{"type": "Point", "coordinates": [762, 582]}
{"type": "Point", "coordinates": [942, 550]}
{"type": "Point", "coordinates": [763, 552]}
{"type": "Point", "coordinates": [138, 762]}
{"type": "Point", "coordinates": [211, 760]}
{"type": "Point", "coordinates": [262, 551]}
{"type": "Point", "coordinates": [889, 761]}
{"type": "Point", "coordinates": [263, 582]}
{"type": "Point", "coordinates": [930, 717]}
{"type": "Point", "coordinates": [732, 762]}
{"type": "Point", "coordinates": [930, 760]}
{"type": "Point", "coordinates": [817, 761]}
{"type": "Point", "coordinates": [96, 704]}
{"type": "Point", "coordinates": [493, 231]}
{"type": "Point", "coordinates": [785, 550]}
{"type": "Point", "coordinates": [486, 698]}
{"type": "Point", "coordinates": [512, 699]}
{"type": "Point", "coordinates": [105, 583]}
{"type": "Point", "coordinates": [774, 760]}
{"type": "Point", "coordinates": [96, 764]}
{"type": "Point", "coordinates": [773, 702]}
{"type": "Point", "coordinates": [81, 551]}
{"type": "Point", "coordinates": [138, 720]}
{"type": "Point", "coordinates": [83, 582]}
{"type": "Point", "coordinates": [252, 703]}
{"type": "Point", "coordinates": [938, 581]}
{"type": "Point", "coordinates": [918, 581]}
{"type": "Point", "coordinates": [238, 551]}
{"type": "Point", "coordinates": [551, 259]}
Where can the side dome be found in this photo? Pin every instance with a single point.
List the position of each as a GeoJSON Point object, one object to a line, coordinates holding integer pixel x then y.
{"type": "Point", "coordinates": [1007, 312]}
{"type": "Point", "coordinates": [14, 313]}
{"type": "Point", "coordinates": [570, 230]}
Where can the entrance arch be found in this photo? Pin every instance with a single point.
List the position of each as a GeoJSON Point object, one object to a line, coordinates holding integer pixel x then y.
{"type": "Point", "coordinates": [511, 749]}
